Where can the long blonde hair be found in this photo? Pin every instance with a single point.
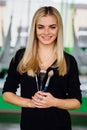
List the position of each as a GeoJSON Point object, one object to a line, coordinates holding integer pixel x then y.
{"type": "Point", "coordinates": [29, 62]}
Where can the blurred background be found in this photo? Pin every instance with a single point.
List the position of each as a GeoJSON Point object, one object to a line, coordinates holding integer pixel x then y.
{"type": "Point", "coordinates": [15, 22]}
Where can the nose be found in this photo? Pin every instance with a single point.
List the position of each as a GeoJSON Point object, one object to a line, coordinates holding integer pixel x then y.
{"type": "Point", "coordinates": [46, 31]}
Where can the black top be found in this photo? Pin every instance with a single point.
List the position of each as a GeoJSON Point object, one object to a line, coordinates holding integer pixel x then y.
{"type": "Point", "coordinates": [63, 87]}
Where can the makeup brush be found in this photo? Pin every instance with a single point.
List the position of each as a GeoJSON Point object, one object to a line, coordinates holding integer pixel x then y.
{"type": "Point", "coordinates": [50, 74]}
{"type": "Point", "coordinates": [42, 75]}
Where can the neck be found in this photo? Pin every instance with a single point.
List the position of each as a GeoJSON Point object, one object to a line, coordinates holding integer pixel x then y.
{"type": "Point", "coordinates": [45, 50]}
{"type": "Point", "coordinates": [46, 56]}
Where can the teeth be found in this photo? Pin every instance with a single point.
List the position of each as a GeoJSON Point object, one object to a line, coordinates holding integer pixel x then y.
{"type": "Point", "coordinates": [46, 38]}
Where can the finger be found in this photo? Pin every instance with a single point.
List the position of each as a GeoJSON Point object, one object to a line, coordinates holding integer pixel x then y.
{"type": "Point", "coordinates": [42, 93]}
{"type": "Point", "coordinates": [37, 95]}
{"type": "Point", "coordinates": [37, 103]}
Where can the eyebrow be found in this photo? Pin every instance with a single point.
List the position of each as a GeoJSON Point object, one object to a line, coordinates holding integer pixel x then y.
{"type": "Point", "coordinates": [43, 25]}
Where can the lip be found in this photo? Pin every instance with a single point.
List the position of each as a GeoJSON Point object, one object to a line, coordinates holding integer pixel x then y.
{"type": "Point", "coordinates": [46, 37]}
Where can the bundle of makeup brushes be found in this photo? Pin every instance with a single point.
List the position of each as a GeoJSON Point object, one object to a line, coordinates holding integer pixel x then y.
{"type": "Point", "coordinates": [42, 76]}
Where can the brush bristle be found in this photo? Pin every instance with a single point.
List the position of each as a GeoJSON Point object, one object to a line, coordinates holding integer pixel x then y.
{"type": "Point", "coordinates": [50, 73]}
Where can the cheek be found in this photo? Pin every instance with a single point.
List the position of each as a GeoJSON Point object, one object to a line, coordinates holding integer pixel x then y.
{"type": "Point", "coordinates": [55, 32]}
{"type": "Point", "coordinates": [38, 32]}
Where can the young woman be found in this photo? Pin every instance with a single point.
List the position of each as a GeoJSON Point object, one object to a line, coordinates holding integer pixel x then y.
{"type": "Point", "coordinates": [48, 76]}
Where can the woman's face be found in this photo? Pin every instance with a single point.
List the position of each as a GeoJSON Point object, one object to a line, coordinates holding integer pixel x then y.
{"type": "Point", "coordinates": [47, 29]}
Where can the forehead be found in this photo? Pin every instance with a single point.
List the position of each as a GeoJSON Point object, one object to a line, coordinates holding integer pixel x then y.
{"type": "Point", "coordinates": [47, 20]}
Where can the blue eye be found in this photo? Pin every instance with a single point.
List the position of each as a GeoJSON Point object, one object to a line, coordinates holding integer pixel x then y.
{"type": "Point", "coordinates": [40, 27]}
{"type": "Point", "coordinates": [52, 27]}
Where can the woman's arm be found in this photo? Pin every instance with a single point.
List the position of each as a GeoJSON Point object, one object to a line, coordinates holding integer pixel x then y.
{"type": "Point", "coordinates": [68, 104]}
{"type": "Point", "coordinates": [17, 100]}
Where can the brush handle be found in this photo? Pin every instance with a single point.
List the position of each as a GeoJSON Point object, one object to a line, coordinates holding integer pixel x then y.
{"type": "Point", "coordinates": [41, 83]}
{"type": "Point", "coordinates": [47, 83]}
{"type": "Point", "coordinates": [37, 82]}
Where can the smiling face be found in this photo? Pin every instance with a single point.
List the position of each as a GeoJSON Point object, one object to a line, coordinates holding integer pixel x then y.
{"type": "Point", "coordinates": [47, 29]}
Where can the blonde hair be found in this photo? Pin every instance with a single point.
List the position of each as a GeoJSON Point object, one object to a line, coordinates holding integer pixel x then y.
{"type": "Point", "coordinates": [29, 62]}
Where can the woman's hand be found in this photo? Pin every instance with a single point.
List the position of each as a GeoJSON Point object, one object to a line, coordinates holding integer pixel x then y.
{"type": "Point", "coordinates": [46, 100]}
{"type": "Point", "coordinates": [43, 100]}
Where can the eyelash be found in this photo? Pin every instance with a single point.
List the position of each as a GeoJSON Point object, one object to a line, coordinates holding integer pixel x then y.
{"type": "Point", "coordinates": [53, 27]}
{"type": "Point", "coordinates": [50, 27]}
{"type": "Point", "coordinates": [40, 27]}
